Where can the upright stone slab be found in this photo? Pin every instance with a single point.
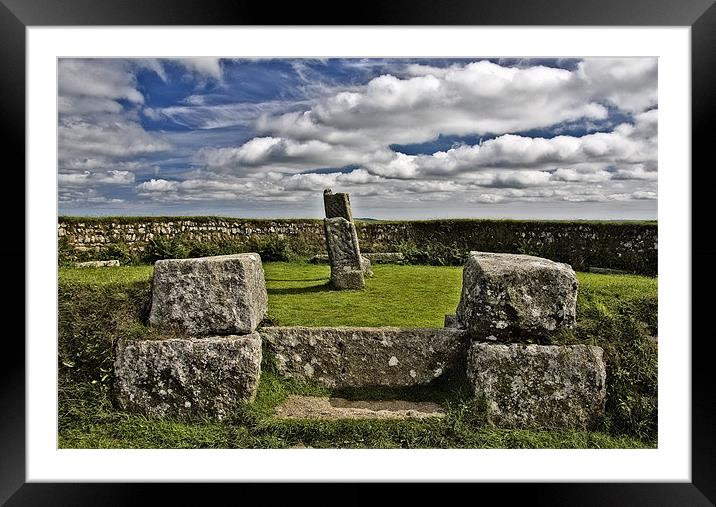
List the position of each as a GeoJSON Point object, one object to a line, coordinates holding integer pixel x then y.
{"type": "Point", "coordinates": [539, 386]}
{"type": "Point", "coordinates": [207, 377]}
{"type": "Point", "coordinates": [365, 356]}
{"type": "Point", "coordinates": [508, 297]}
{"type": "Point", "coordinates": [337, 205]}
{"type": "Point", "coordinates": [225, 294]}
{"type": "Point", "coordinates": [347, 265]}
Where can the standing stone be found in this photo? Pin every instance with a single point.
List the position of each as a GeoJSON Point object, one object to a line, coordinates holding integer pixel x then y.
{"type": "Point", "coordinates": [225, 294]}
{"type": "Point", "coordinates": [548, 386]}
{"type": "Point", "coordinates": [207, 377]}
{"type": "Point", "coordinates": [509, 297]}
{"type": "Point", "coordinates": [347, 265]}
{"type": "Point", "coordinates": [337, 205]}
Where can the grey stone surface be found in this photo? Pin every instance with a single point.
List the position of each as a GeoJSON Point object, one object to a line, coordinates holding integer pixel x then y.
{"type": "Point", "coordinates": [347, 265]}
{"type": "Point", "coordinates": [364, 356]}
{"type": "Point", "coordinates": [97, 264]}
{"type": "Point", "coordinates": [315, 407]}
{"type": "Point", "coordinates": [337, 205]}
{"type": "Point", "coordinates": [319, 259]}
{"type": "Point", "coordinates": [224, 294]}
{"type": "Point", "coordinates": [187, 377]}
{"type": "Point", "coordinates": [453, 321]}
{"type": "Point", "coordinates": [539, 385]}
{"type": "Point", "coordinates": [607, 271]}
{"type": "Point", "coordinates": [385, 257]}
{"type": "Point", "coordinates": [508, 297]}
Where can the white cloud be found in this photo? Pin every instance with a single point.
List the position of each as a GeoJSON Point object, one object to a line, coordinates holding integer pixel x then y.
{"type": "Point", "coordinates": [476, 98]}
{"type": "Point", "coordinates": [113, 177]}
{"type": "Point", "coordinates": [99, 131]}
{"type": "Point", "coordinates": [158, 185]}
{"type": "Point", "coordinates": [113, 139]}
{"type": "Point", "coordinates": [208, 66]}
{"type": "Point", "coordinates": [105, 79]}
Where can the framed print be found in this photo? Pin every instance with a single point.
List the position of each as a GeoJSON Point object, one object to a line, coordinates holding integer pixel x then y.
{"type": "Point", "coordinates": [214, 195]}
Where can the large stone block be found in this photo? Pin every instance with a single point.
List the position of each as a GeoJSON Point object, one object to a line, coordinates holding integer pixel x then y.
{"type": "Point", "coordinates": [508, 297]}
{"type": "Point", "coordinates": [539, 385]}
{"type": "Point", "coordinates": [187, 377]}
{"type": "Point", "coordinates": [218, 295]}
{"type": "Point", "coordinates": [365, 356]}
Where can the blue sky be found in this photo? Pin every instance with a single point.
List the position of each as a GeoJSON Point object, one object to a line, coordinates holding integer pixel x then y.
{"type": "Point", "coordinates": [408, 138]}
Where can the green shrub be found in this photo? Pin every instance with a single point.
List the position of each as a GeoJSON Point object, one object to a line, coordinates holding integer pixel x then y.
{"type": "Point", "coordinates": [119, 251]}
{"type": "Point", "coordinates": [273, 249]}
{"type": "Point", "coordinates": [164, 247]}
{"type": "Point", "coordinates": [434, 254]}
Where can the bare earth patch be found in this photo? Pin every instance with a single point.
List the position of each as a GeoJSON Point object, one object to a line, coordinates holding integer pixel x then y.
{"type": "Point", "coordinates": [317, 407]}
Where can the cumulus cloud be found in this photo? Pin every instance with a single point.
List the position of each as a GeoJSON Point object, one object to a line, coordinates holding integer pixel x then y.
{"type": "Point", "coordinates": [112, 139]}
{"type": "Point", "coordinates": [341, 135]}
{"type": "Point", "coordinates": [103, 79]}
{"type": "Point", "coordinates": [477, 98]}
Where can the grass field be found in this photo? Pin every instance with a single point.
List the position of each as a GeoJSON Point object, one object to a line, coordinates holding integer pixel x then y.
{"type": "Point", "coordinates": [97, 306]}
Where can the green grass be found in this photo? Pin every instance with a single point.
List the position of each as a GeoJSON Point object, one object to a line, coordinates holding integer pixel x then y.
{"type": "Point", "coordinates": [403, 296]}
{"type": "Point", "coordinates": [99, 305]}
{"type": "Point", "coordinates": [105, 276]}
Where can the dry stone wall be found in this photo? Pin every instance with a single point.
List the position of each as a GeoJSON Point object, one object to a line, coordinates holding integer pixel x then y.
{"type": "Point", "coordinates": [626, 246]}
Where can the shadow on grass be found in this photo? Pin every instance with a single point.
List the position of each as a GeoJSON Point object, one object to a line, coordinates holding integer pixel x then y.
{"type": "Point", "coordinates": [326, 287]}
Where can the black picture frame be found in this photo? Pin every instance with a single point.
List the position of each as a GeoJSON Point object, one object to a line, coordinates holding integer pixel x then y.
{"type": "Point", "coordinates": [700, 15]}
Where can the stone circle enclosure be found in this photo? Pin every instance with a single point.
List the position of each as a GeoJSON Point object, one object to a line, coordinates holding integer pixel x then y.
{"type": "Point", "coordinates": [220, 301]}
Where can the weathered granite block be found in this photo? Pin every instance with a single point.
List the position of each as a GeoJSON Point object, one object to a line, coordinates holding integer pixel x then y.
{"type": "Point", "coordinates": [508, 297]}
{"type": "Point", "coordinates": [347, 265]}
{"type": "Point", "coordinates": [539, 385]}
{"type": "Point", "coordinates": [225, 294]}
{"type": "Point", "coordinates": [187, 377]}
{"type": "Point", "coordinates": [364, 356]}
{"type": "Point", "coordinates": [385, 257]}
{"type": "Point", "coordinates": [97, 264]}
{"type": "Point", "coordinates": [453, 321]}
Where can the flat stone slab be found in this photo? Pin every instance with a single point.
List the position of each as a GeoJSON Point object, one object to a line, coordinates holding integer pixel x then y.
{"type": "Point", "coordinates": [509, 297]}
{"type": "Point", "coordinates": [607, 271]}
{"type": "Point", "coordinates": [316, 407]}
{"type": "Point", "coordinates": [365, 356]}
{"type": "Point", "coordinates": [385, 257]}
{"type": "Point", "coordinates": [551, 386]}
{"type": "Point", "coordinates": [208, 377]}
{"type": "Point", "coordinates": [97, 264]}
{"type": "Point", "coordinates": [218, 295]}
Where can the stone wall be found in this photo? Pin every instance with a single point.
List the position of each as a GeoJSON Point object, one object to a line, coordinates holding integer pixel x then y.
{"type": "Point", "coordinates": [97, 234]}
{"type": "Point", "coordinates": [630, 246]}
